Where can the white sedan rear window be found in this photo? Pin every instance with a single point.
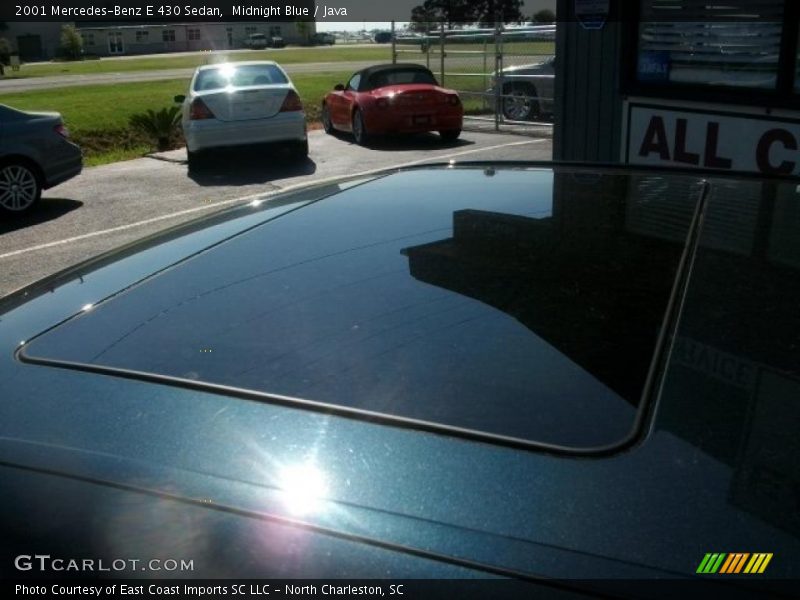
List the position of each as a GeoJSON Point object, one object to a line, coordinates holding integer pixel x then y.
{"type": "Point", "coordinates": [238, 76]}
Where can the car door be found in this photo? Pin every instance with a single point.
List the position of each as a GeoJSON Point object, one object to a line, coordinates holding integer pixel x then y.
{"type": "Point", "coordinates": [343, 107]}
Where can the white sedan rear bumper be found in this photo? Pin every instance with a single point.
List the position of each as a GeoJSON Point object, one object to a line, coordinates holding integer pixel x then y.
{"type": "Point", "coordinates": [204, 134]}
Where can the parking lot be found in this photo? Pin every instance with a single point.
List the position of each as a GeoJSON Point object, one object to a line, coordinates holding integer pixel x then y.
{"type": "Point", "coordinates": [108, 206]}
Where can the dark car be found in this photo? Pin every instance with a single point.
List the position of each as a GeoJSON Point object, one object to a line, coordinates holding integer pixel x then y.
{"type": "Point", "coordinates": [527, 91]}
{"type": "Point", "coordinates": [35, 154]}
{"type": "Point", "coordinates": [323, 39]}
{"type": "Point", "coordinates": [556, 374]}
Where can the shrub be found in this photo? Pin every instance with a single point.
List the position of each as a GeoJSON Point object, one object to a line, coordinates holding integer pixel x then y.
{"type": "Point", "coordinates": [160, 125]}
{"type": "Point", "coordinates": [5, 51]}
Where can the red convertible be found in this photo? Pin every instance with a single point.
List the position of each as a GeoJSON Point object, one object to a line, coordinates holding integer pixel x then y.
{"type": "Point", "coordinates": [399, 98]}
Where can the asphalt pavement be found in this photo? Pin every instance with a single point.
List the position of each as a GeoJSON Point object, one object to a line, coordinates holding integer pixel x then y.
{"type": "Point", "coordinates": [111, 205]}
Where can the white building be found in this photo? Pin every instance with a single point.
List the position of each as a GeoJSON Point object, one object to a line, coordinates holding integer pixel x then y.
{"type": "Point", "coordinates": [109, 40]}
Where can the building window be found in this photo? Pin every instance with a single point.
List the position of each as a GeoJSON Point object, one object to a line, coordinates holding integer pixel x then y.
{"type": "Point", "coordinates": [168, 35]}
{"type": "Point", "coordinates": [250, 30]}
{"type": "Point", "coordinates": [142, 36]}
{"type": "Point", "coordinates": [88, 39]}
{"type": "Point", "coordinates": [275, 30]}
{"type": "Point", "coordinates": [735, 43]}
{"type": "Point", "coordinates": [193, 34]}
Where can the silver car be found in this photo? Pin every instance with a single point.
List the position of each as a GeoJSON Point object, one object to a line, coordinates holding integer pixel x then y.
{"type": "Point", "coordinates": [35, 154]}
{"type": "Point", "coordinates": [527, 90]}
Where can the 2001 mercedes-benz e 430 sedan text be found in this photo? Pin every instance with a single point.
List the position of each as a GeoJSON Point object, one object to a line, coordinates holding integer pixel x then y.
{"type": "Point", "coordinates": [522, 370]}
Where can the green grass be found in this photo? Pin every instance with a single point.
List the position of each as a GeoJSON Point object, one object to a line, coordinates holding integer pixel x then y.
{"type": "Point", "coordinates": [97, 115]}
{"type": "Point", "coordinates": [283, 56]}
{"type": "Point", "coordinates": [525, 51]}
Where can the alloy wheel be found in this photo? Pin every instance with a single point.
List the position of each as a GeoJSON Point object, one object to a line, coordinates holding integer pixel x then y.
{"type": "Point", "coordinates": [19, 188]}
{"type": "Point", "coordinates": [519, 105]}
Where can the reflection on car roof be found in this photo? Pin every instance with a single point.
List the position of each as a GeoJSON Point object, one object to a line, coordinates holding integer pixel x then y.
{"type": "Point", "coordinates": [482, 306]}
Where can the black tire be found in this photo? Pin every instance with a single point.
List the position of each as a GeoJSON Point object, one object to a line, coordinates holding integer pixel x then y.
{"type": "Point", "coordinates": [194, 160]}
{"type": "Point", "coordinates": [359, 129]}
{"type": "Point", "coordinates": [450, 135]}
{"type": "Point", "coordinates": [327, 124]}
{"type": "Point", "coordinates": [520, 102]}
{"type": "Point", "coordinates": [301, 149]}
{"type": "Point", "coordinates": [20, 187]}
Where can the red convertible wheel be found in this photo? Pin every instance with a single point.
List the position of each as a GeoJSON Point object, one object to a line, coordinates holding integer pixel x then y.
{"type": "Point", "coordinates": [327, 124]}
{"type": "Point", "coordinates": [359, 131]}
{"type": "Point", "coordinates": [450, 135]}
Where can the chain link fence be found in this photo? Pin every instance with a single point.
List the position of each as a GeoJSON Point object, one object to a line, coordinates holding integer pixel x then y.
{"type": "Point", "coordinates": [505, 76]}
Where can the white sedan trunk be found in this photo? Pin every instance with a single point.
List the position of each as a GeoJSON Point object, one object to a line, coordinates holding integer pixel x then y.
{"type": "Point", "coordinates": [245, 103]}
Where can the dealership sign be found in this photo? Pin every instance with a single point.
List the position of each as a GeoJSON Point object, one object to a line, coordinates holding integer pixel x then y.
{"type": "Point", "coordinates": [710, 139]}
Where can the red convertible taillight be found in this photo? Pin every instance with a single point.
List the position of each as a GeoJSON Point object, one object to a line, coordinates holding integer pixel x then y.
{"type": "Point", "coordinates": [291, 103]}
{"type": "Point", "coordinates": [61, 130]}
{"type": "Point", "coordinates": [453, 100]}
{"type": "Point", "coordinates": [199, 110]}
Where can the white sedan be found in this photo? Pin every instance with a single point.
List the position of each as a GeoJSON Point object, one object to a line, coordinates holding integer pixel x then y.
{"type": "Point", "coordinates": [237, 104]}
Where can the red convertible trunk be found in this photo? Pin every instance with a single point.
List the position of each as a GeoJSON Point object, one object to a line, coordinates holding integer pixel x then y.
{"type": "Point", "coordinates": [412, 108]}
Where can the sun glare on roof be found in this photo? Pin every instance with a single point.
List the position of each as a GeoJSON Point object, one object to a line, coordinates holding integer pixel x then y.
{"type": "Point", "coordinates": [303, 487]}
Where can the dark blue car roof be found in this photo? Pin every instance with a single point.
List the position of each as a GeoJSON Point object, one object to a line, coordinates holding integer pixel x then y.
{"type": "Point", "coordinates": [473, 308]}
{"type": "Point", "coordinates": [537, 253]}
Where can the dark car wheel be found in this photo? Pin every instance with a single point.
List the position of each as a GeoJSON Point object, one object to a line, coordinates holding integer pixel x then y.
{"type": "Point", "coordinates": [450, 135]}
{"type": "Point", "coordinates": [520, 102]}
{"type": "Point", "coordinates": [193, 159]}
{"type": "Point", "coordinates": [20, 187]}
{"type": "Point", "coordinates": [359, 130]}
{"type": "Point", "coordinates": [327, 124]}
{"type": "Point", "coordinates": [301, 149]}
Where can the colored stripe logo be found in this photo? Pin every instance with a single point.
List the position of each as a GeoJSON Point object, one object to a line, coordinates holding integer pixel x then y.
{"type": "Point", "coordinates": [734, 563]}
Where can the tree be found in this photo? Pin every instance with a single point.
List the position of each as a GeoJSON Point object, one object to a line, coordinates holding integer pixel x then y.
{"type": "Point", "coordinates": [5, 55]}
{"type": "Point", "coordinates": [484, 12]}
{"type": "Point", "coordinates": [544, 16]}
{"type": "Point", "coordinates": [488, 12]}
{"type": "Point", "coordinates": [437, 11]}
{"type": "Point", "coordinates": [71, 42]}
{"type": "Point", "coordinates": [304, 29]}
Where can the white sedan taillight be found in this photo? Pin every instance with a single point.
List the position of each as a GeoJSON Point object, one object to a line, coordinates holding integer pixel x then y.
{"type": "Point", "coordinates": [199, 110]}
